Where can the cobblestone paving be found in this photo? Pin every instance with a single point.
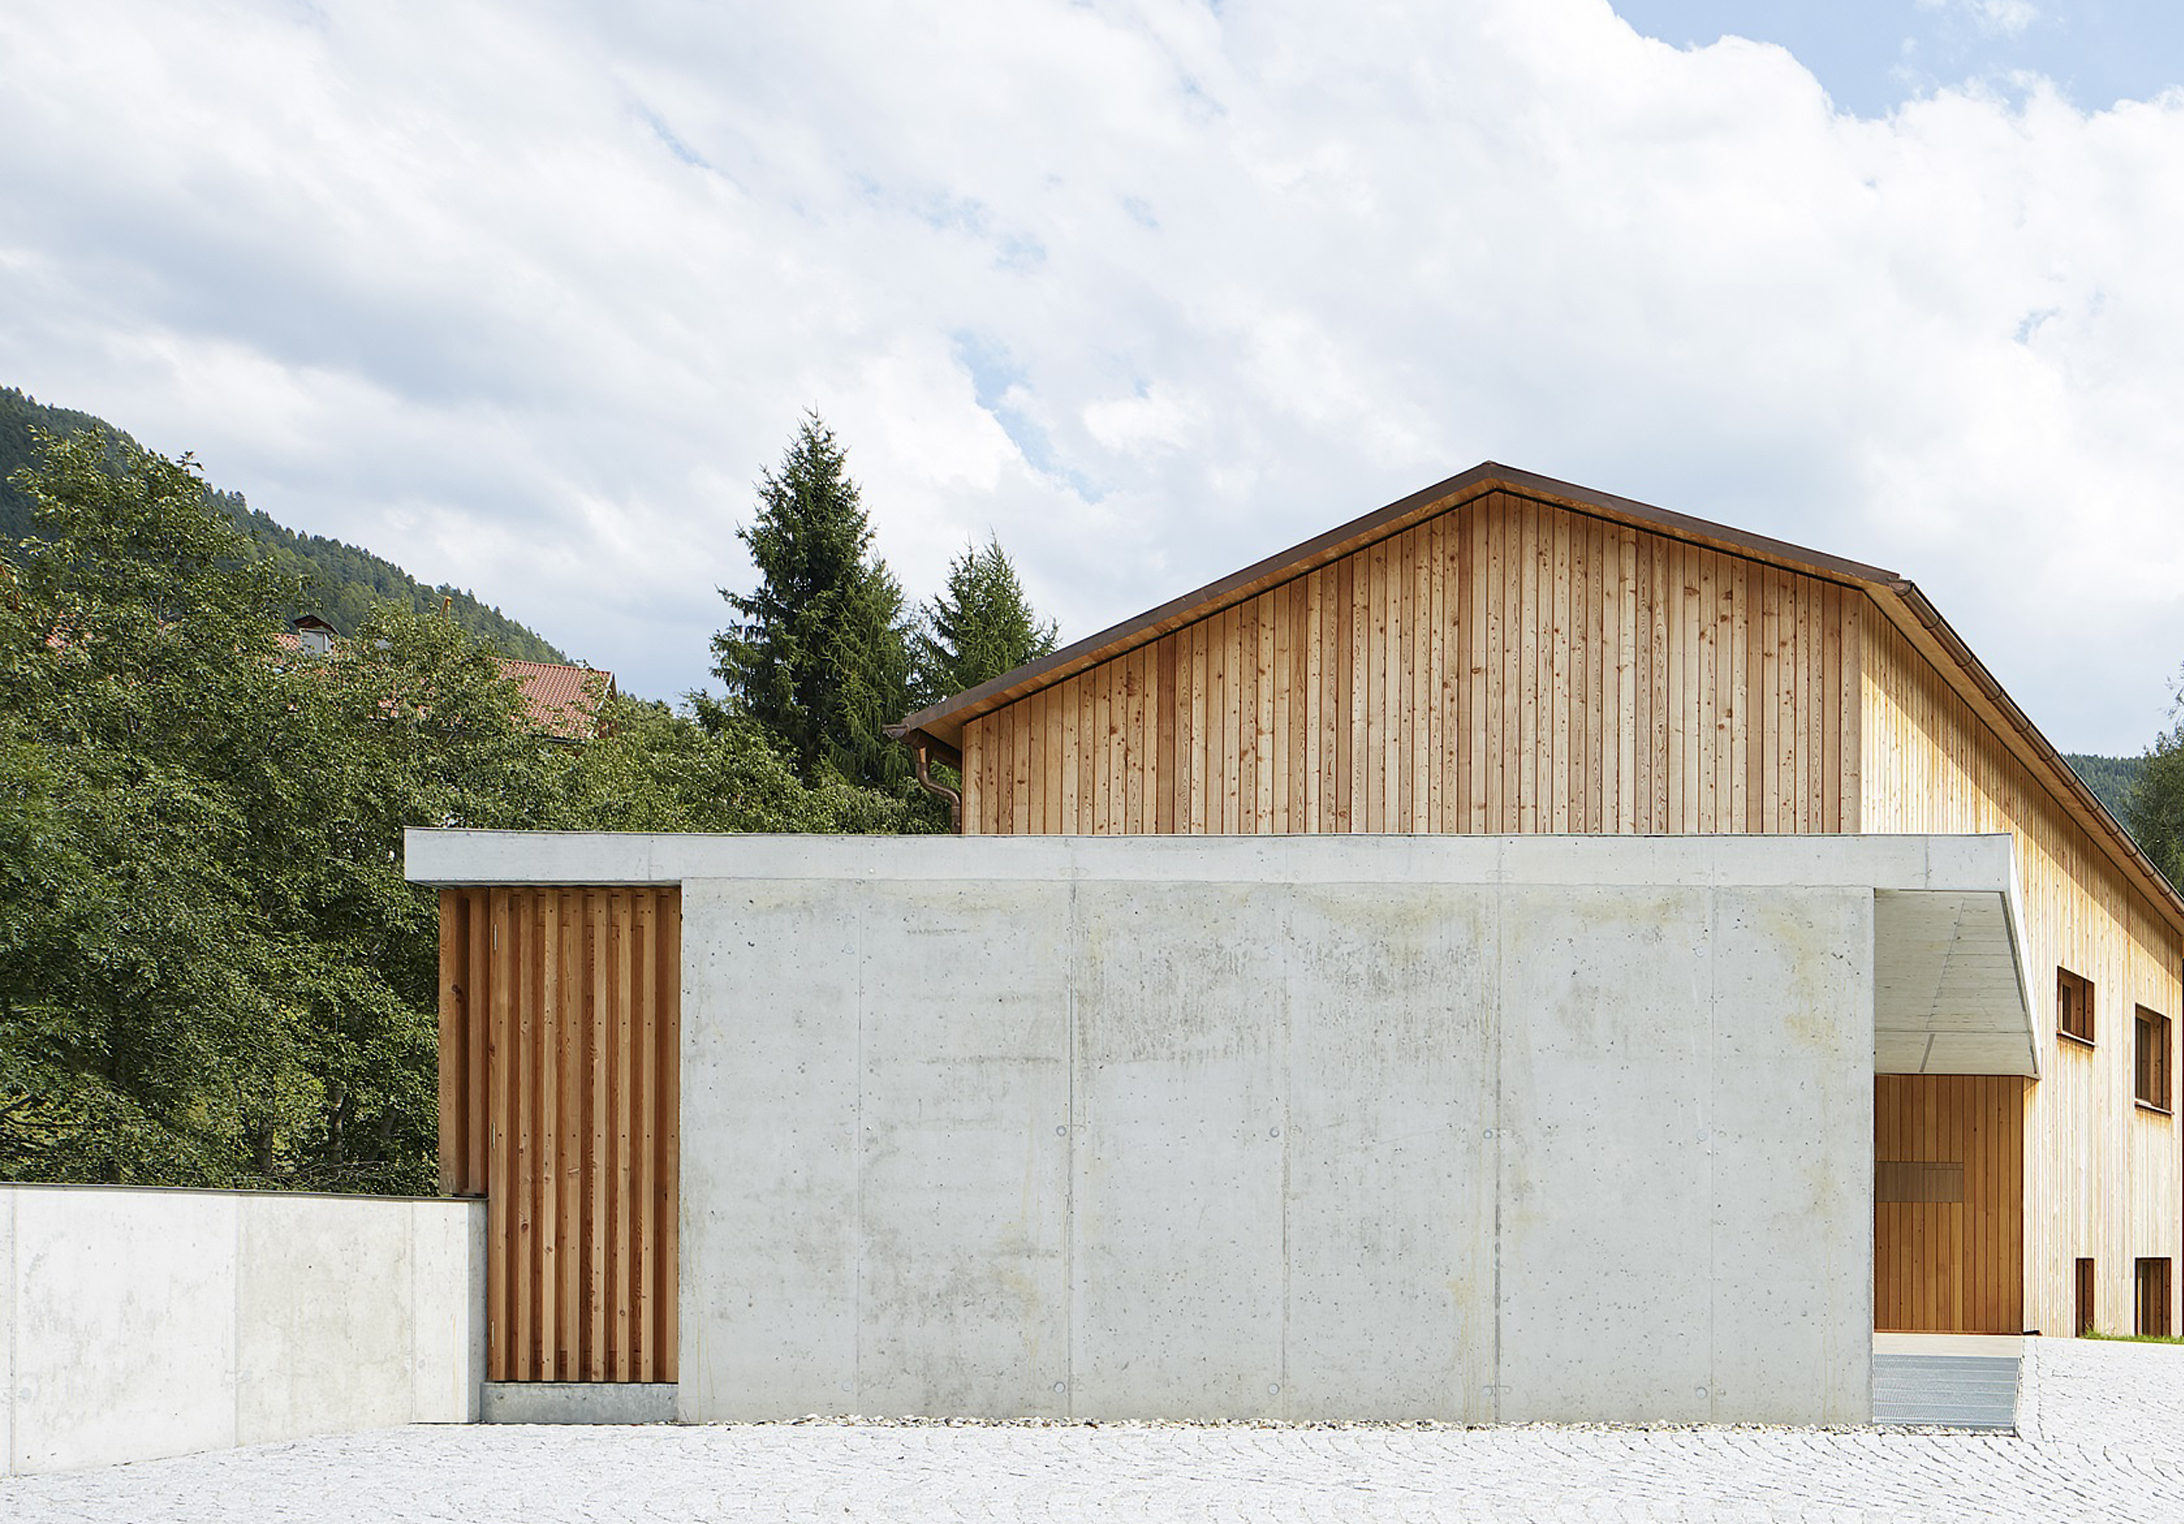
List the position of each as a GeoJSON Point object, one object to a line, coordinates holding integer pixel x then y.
{"type": "Point", "coordinates": [2100, 1444]}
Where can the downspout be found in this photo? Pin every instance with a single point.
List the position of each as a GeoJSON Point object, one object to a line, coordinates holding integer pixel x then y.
{"type": "Point", "coordinates": [920, 743]}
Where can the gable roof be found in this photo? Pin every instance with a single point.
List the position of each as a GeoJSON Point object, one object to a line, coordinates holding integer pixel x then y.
{"type": "Point", "coordinates": [563, 700]}
{"type": "Point", "coordinates": [1898, 599]}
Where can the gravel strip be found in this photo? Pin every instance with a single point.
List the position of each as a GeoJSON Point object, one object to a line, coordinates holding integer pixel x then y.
{"type": "Point", "coordinates": [2103, 1448]}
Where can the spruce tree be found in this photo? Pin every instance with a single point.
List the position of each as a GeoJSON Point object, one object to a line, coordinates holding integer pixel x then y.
{"type": "Point", "coordinates": [819, 655]}
{"type": "Point", "coordinates": [980, 626]}
{"type": "Point", "coordinates": [2154, 809]}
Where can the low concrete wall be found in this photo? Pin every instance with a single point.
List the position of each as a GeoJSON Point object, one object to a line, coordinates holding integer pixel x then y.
{"type": "Point", "coordinates": [1380, 1129]}
{"type": "Point", "coordinates": [143, 1323]}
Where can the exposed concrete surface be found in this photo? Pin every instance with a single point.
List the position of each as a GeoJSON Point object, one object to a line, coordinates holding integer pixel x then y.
{"type": "Point", "coordinates": [611, 1402]}
{"type": "Point", "coordinates": [1944, 964]}
{"type": "Point", "coordinates": [147, 1323]}
{"type": "Point", "coordinates": [1241, 1129]}
{"type": "Point", "coordinates": [1940, 863]}
{"type": "Point", "coordinates": [2107, 1453]}
{"type": "Point", "coordinates": [7, 1332]}
{"type": "Point", "coordinates": [1953, 992]}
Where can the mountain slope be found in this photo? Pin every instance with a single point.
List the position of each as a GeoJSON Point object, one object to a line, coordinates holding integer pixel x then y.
{"type": "Point", "coordinates": [2110, 778]}
{"type": "Point", "coordinates": [343, 580]}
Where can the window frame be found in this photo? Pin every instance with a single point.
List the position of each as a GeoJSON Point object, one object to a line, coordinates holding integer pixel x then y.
{"type": "Point", "coordinates": [2153, 1068]}
{"type": "Point", "coordinates": [2150, 1298]}
{"type": "Point", "coordinates": [2073, 991]}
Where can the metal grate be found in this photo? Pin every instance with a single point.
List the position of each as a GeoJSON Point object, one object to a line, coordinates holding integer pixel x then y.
{"type": "Point", "coordinates": [1905, 1181]}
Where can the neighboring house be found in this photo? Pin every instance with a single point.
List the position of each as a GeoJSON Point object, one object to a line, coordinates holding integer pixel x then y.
{"type": "Point", "coordinates": [1549, 958]}
{"type": "Point", "coordinates": [563, 701]}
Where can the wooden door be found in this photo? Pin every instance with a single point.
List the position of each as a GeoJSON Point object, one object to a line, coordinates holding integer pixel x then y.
{"type": "Point", "coordinates": [1948, 1203]}
{"type": "Point", "coordinates": [559, 1104]}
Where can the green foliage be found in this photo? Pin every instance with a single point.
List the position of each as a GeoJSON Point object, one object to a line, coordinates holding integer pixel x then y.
{"type": "Point", "coordinates": [2156, 804]}
{"type": "Point", "coordinates": [21, 417]}
{"type": "Point", "coordinates": [717, 770]}
{"type": "Point", "coordinates": [212, 971]}
{"type": "Point", "coordinates": [338, 582]}
{"type": "Point", "coordinates": [2110, 778]}
{"type": "Point", "coordinates": [820, 656]}
{"type": "Point", "coordinates": [2124, 1338]}
{"type": "Point", "coordinates": [979, 627]}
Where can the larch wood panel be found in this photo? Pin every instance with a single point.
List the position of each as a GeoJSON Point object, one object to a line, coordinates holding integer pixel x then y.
{"type": "Point", "coordinates": [1507, 666]}
{"type": "Point", "coordinates": [559, 1103]}
{"type": "Point", "coordinates": [2102, 1175]}
{"type": "Point", "coordinates": [1951, 1266]}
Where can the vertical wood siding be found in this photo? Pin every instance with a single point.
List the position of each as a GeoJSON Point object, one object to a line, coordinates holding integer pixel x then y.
{"type": "Point", "coordinates": [2103, 1177]}
{"type": "Point", "coordinates": [1951, 1266]}
{"type": "Point", "coordinates": [1507, 666]}
{"type": "Point", "coordinates": [559, 1064]}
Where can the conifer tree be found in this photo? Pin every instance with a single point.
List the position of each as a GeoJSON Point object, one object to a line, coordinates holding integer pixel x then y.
{"type": "Point", "coordinates": [2154, 808]}
{"type": "Point", "coordinates": [980, 626]}
{"type": "Point", "coordinates": [819, 656]}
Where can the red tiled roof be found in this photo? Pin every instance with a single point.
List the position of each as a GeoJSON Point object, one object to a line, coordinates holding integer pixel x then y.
{"type": "Point", "coordinates": [563, 701]}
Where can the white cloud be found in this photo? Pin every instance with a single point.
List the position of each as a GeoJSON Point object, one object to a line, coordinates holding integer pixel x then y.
{"type": "Point", "coordinates": [527, 298]}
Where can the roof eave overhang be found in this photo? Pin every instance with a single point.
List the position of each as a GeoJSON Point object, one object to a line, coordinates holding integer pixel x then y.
{"type": "Point", "coordinates": [1914, 614]}
{"type": "Point", "coordinates": [943, 722]}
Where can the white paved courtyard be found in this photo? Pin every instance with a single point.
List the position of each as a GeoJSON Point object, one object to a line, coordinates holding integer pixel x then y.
{"type": "Point", "coordinates": [2100, 1440]}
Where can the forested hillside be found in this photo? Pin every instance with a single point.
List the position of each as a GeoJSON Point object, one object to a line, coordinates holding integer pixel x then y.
{"type": "Point", "coordinates": [2110, 778]}
{"type": "Point", "coordinates": [341, 581]}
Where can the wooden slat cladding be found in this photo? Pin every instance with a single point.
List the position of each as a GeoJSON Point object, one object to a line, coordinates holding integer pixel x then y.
{"type": "Point", "coordinates": [2104, 1176]}
{"type": "Point", "coordinates": [559, 1065]}
{"type": "Point", "coordinates": [1944, 1265]}
{"type": "Point", "coordinates": [1506, 666]}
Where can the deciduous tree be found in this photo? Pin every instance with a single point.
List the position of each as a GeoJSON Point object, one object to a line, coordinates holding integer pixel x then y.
{"type": "Point", "coordinates": [212, 970]}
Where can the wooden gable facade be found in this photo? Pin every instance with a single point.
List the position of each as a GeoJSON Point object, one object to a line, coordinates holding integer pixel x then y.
{"type": "Point", "coordinates": [1503, 653]}
{"type": "Point", "coordinates": [1506, 666]}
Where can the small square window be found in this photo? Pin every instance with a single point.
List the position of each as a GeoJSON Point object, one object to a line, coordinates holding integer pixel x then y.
{"type": "Point", "coordinates": [2153, 1299]}
{"type": "Point", "coordinates": [2151, 1071]}
{"type": "Point", "coordinates": [2073, 1005]}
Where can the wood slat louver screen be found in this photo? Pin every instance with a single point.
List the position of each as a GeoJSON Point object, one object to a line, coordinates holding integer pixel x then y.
{"type": "Point", "coordinates": [559, 1069]}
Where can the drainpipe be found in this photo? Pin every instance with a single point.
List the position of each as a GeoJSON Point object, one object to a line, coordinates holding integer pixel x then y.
{"type": "Point", "coordinates": [921, 743]}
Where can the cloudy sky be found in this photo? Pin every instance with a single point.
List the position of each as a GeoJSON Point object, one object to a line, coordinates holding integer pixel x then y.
{"type": "Point", "coordinates": [525, 295]}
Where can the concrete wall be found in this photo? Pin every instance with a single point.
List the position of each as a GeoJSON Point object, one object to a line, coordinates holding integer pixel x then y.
{"type": "Point", "coordinates": [1396, 1128]}
{"type": "Point", "coordinates": [142, 1323]}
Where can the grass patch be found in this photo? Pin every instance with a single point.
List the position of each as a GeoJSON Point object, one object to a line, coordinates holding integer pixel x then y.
{"type": "Point", "coordinates": [2115, 1338]}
